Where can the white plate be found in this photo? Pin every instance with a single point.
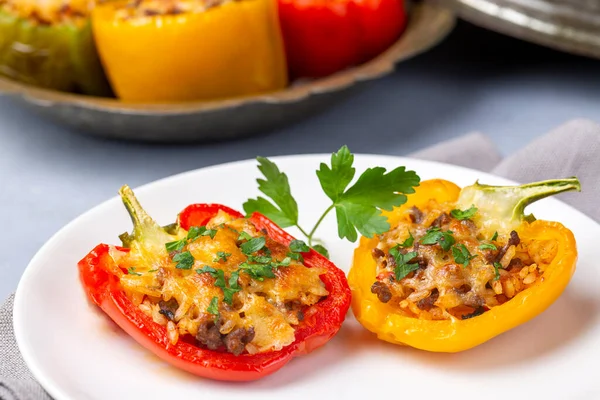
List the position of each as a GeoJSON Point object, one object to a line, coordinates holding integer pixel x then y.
{"type": "Point", "coordinates": [77, 353]}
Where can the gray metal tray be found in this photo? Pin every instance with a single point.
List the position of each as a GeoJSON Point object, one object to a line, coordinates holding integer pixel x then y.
{"type": "Point", "coordinates": [568, 25]}
{"type": "Point", "coordinates": [217, 120]}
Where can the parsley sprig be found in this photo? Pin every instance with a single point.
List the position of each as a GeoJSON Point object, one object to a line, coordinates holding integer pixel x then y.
{"type": "Point", "coordinates": [357, 208]}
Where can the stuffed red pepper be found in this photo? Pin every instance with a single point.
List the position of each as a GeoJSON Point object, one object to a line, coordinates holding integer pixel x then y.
{"type": "Point", "coordinates": [216, 294]}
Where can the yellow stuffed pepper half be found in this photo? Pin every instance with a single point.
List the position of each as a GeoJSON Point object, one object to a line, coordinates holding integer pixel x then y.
{"type": "Point", "coordinates": [459, 267]}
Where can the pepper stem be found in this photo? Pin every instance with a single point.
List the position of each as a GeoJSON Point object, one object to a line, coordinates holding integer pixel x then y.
{"type": "Point", "coordinates": [506, 204]}
{"type": "Point", "coordinates": [142, 222]}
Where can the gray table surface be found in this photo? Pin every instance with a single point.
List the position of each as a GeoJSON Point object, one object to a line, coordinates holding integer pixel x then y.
{"type": "Point", "coordinates": [476, 80]}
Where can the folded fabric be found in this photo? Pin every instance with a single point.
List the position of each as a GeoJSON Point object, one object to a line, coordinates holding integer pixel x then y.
{"type": "Point", "coordinates": [572, 149]}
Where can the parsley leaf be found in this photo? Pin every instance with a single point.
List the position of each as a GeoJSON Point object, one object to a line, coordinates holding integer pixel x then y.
{"type": "Point", "coordinates": [462, 215]}
{"type": "Point", "coordinates": [298, 246]}
{"type": "Point", "coordinates": [244, 236]}
{"type": "Point", "coordinates": [336, 179]}
{"type": "Point", "coordinates": [435, 235]}
{"type": "Point", "coordinates": [277, 187]}
{"type": "Point", "coordinates": [461, 254]}
{"type": "Point", "coordinates": [196, 231]}
{"type": "Point", "coordinates": [295, 256]}
{"type": "Point", "coordinates": [497, 267]}
{"type": "Point", "coordinates": [321, 250]}
{"type": "Point", "coordinates": [207, 270]}
{"type": "Point", "coordinates": [403, 268]}
{"type": "Point", "coordinates": [131, 271]}
{"type": "Point", "coordinates": [177, 245]}
{"type": "Point", "coordinates": [285, 262]}
{"type": "Point", "coordinates": [184, 260]}
{"type": "Point", "coordinates": [495, 237]}
{"type": "Point", "coordinates": [233, 288]}
{"type": "Point", "coordinates": [213, 308]}
{"type": "Point", "coordinates": [359, 207]}
{"type": "Point", "coordinates": [258, 271]}
{"type": "Point", "coordinates": [253, 245]}
{"type": "Point", "coordinates": [408, 242]}
{"type": "Point", "coordinates": [192, 234]}
{"type": "Point", "coordinates": [260, 259]}
{"type": "Point", "coordinates": [487, 246]}
{"type": "Point", "coordinates": [219, 276]}
{"type": "Point", "coordinates": [221, 255]}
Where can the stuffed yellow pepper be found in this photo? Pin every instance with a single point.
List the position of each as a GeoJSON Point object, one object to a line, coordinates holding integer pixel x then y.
{"type": "Point", "coordinates": [49, 43]}
{"type": "Point", "coordinates": [459, 267]}
{"type": "Point", "coordinates": [178, 50]}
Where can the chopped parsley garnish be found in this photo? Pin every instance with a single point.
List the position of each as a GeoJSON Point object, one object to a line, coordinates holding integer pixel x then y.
{"type": "Point", "coordinates": [321, 250]}
{"type": "Point", "coordinates": [260, 259]}
{"type": "Point", "coordinates": [213, 308]}
{"type": "Point", "coordinates": [219, 275]}
{"type": "Point", "coordinates": [497, 267]}
{"type": "Point", "coordinates": [487, 246]}
{"type": "Point", "coordinates": [285, 262]}
{"type": "Point", "coordinates": [233, 288]}
{"type": "Point", "coordinates": [192, 234]}
{"type": "Point", "coordinates": [244, 236]}
{"type": "Point", "coordinates": [131, 271]}
{"type": "Point", "coordinates": [298, 246]}
{"type": "Point", "coordinates": [208, 270]}
{"type": "Point", "coordinates": [221, 256]}
{"type": "Point", "coordinates": [403, 268]}
{"type": "Point", "coordinates": [177, 245]}
{"type": "Point", "coordinates": [253, 245]}
{"type": "Point", "coordinates": [461, 254]}
{"type": "Point", "coordinates": [153, 270]}
{"type": "Point", "coordinates": [408, 242]}
{"type": "Point", "coordinates": [435, 235]}
{"type": "Point", "coordinates": [258, 271]}
{"type": "Point", "coordinates": [196, 231]}
{"type": "Point", "coordinates": [184, 260]}
{"type": "Point", "coordinates": [495, 237]}
{"type": "Point", "coordinates": [462, 215]}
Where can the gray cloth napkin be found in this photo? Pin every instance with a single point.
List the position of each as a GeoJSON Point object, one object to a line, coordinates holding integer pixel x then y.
{"type": "Point", "coordinates": [572, 149]}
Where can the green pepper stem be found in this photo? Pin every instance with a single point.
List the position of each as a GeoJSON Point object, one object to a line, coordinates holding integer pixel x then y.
{"type": "Point", "coordinates": [508, 203]}
{"type": "Point", "coordinates": [140, 218]}
{"type": "Point", "coordinates": [533, 192]}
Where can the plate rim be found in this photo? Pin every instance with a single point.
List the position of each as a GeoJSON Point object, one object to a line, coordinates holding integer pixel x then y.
{"type": "Point", "coordinates": [19, 317]}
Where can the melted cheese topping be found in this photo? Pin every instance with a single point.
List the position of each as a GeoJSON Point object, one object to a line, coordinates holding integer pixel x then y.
{"type": "Point", "coordinates": [270, 308]}
{"type": "Point", "coordinates": [441, 287]}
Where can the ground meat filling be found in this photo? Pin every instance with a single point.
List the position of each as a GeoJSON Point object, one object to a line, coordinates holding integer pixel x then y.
{"type": "Point", "coordinates": [168, 308]}
{"type": "Point", "coordinates": [458, 279]}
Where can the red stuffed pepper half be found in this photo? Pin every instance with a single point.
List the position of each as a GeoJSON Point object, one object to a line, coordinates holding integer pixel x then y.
{"type": "Point", "coordinates": [217, 294]}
